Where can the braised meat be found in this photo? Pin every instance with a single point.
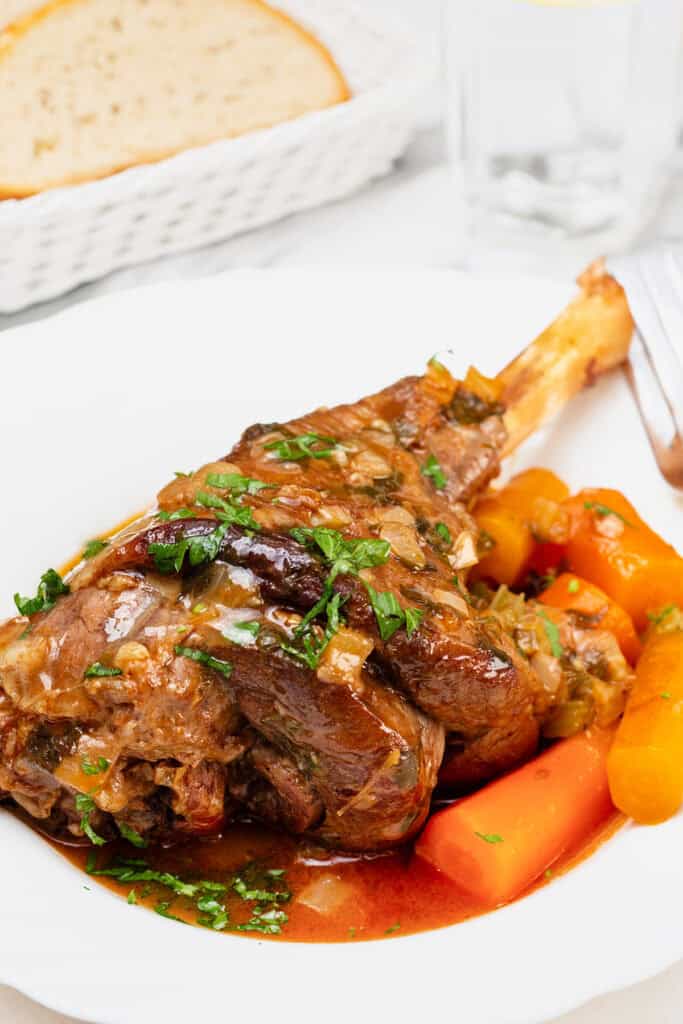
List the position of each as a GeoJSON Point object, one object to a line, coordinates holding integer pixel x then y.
{"type": "Point", "coordinates": [288, 635]}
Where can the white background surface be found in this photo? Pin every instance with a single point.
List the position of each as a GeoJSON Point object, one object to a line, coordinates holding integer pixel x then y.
{"type": "Point", "coordinates": [408, 219]}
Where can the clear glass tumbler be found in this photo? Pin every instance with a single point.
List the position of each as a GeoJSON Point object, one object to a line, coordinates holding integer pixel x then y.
{"type": "Point", "coordinates": [563, 117]}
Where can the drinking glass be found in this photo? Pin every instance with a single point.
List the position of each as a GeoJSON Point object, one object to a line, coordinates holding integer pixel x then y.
{"type": "Point", "coordinates": [562, 119]}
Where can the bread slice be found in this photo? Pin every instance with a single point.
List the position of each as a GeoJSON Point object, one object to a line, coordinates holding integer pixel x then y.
{"type": "Point", "coordinates": [90, 87]}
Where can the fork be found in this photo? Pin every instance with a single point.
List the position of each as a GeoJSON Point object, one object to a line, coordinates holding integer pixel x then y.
{"type": "Point", "coordinates": [653, 281]}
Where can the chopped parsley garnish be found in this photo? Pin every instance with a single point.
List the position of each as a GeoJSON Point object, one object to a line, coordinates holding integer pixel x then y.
{"type": "Point", "coordinates": [573, 586]}
{"type": "Point", "coordinates": [162, 908]}
{"type": "Point", "coordinates": [343, 557]}
{"type": "Point", "coordinates": [98, 669]}
{"type": "Point", "coordinates": [666, 695]}
{"type": "Point", "coordinates": [390, 615]}
{"type": "Point", "coordinates": [194, 654]}
{"type": "Point", "coordinates": [305, 446]}
{"type": "Point", "coordinates": [236, 484]}
{"type": "Point", "coordinates": [553, 634]}
{"type": "Point", "coordinates": [657, 618]}
{"type": "Point", "coordinates": [179, 513]}
{"type": "Point", "coordinates": [93, 547]}
{"type": "Point", "coordinates": [310, 643]}
{"type": "Point", "coordinates": [604, 510]}
{"type": "Point", "coordinates": [212, 913]}
{"type": "Point", "coordinates": [199, 608]}
{"type": "Point", "coordinates": [209, 897]}
{"type": "Point", "coordinates": [489, 837]}
{"type": "Point", "coordinates": [169, 558]}
{"type": "Point", "coordinates": [51, 587]}
{"type": "Point", "coordinates": [393, 928]}
{"type": "Point", "coordinates": [444, 533]}
{"type": "Point", "coordinates": [131, 835]}
{"type": "Point", "coordinates": [228, 512]}
{"type": "Point", "coordinates": [96, 768]}
{"type": "Point", "coordinates": [433, 470]}
{"type": "Point", "coordinates": [250, 627]}
{"type": "Point", "coordinates": [180, 474]}
{"type": "Point", "coordinates": [85, 805]}
{"type": "Point", "coordinates": [549, 873]}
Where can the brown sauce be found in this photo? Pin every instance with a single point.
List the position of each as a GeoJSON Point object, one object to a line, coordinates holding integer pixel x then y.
{"type": "Point", "coordinates": [353, 897]}
{"type": "Point", "coordinates": [369, 898]}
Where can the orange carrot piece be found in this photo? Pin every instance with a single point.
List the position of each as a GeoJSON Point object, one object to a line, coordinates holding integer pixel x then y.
{"type": "Point", "coordinates": [611, 546]}
{"type": "Point", "coordinates": [571, 593]}
{"type": "Point", "coordinates": [645, 765]}
{"type": "Point", "coordinates": [499, 841]}
{"type": "Point", "coordinates": [512, 517]}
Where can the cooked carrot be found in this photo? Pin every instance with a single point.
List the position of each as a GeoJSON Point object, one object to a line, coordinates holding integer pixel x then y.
{"type": "Point", "coordinates": [514, 517]}
{"type": "Point", "coordinates": [571, 593]}
{"type": "Point", "coordinates": [496, 843]}
{"type": "Point", "coordinates": [645, 765]}
{"type": "Point", "coordinates": [611, 546]}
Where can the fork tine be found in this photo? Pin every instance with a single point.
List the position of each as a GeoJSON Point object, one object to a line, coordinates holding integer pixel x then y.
{"type": "Point", "coordinates": [654, 288]}
{"type": "Point", "coordinates": [660, 276]}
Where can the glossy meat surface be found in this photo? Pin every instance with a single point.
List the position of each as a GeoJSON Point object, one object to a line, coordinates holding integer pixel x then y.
{"type": "Point", "coordinates": [199, 718]}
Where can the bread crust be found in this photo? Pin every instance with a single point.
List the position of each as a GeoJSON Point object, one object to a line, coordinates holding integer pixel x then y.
{"type": "Point", "coordinates": [13, 32]}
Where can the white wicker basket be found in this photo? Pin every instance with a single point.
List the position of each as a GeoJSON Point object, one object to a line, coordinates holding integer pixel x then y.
{"type": "Point", "coordinates": [55, 241]}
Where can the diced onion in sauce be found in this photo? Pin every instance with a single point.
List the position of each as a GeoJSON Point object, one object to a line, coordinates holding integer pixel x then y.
{"type": "Point", "coordinates": [464, 553]}
{"type": "Point", "coordinates": [549, 671]}
{"type": "Point", "coordinates": [452, 599]}
{"type": "Point", "coordinates": [369, 466]}
{"type": "Point", "coordinates": [325, 894]}
{"type": "Point", "coordinates": [344, 658]}
{"type": "Point", "coordinates": [404, 544]}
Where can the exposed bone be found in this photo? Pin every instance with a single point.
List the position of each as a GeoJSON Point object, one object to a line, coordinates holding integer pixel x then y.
{"type": "Point", "coordinates": [591, 336]}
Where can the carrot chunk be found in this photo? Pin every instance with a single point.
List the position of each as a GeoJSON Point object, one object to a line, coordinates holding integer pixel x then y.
{"type": "Point", "coordinates": [527, 508]}
{"type": "Point", "coordinates": [571, 593]}
{"type": "Point", "coordinates": [645, 765]}
{"type": "Point", "coordinates": [496, 843]}
{"type": "Point", "coordinates": [611, 546]}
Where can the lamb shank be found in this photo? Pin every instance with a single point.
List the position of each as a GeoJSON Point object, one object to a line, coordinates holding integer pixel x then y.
{"type": "Point", "coordinates": [289, 634]}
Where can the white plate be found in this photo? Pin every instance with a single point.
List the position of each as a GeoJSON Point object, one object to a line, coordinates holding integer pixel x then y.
{"type": "Point", "coordinates": [100, 406]}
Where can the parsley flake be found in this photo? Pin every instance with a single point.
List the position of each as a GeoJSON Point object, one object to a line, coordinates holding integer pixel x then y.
{"type": "Point", "coordinates": [51, 587]}
{"type": "Point", "coordinates": [98, 669]}
{"type": "Point", "coordinates": [433, 469]}
{"type": "Point", "coordinates": [101, 765]}
{"type": "Point", "coordinates": [194, 654]}
{"type": "Point", "coordinates": [444, 533]}
{"type": "Point", "coordinates": [573, 586]}
{"type": "Point", "coordinates": [489, 837]}
{"type": "Point", "coordinates": [200, 550]}
{"type": "Point", "coordinates": [85, 805]}
{"type": "Point", "coordinates": [236, 484]}
{"type": "Point", "coordinates": [553, 634]}
{"type": "Point", "coordinates": [131, 835]}
{"type": "Point", "coordinates": [179, 513]}
{"type": "Point", "coordinates": [305, 446]}
{"type": "Point", "coordinates": [389, 614]}
{"type": "Point", "coordinates": [604, 510]}
{"type": "Point", "coordinates": [93, 547]}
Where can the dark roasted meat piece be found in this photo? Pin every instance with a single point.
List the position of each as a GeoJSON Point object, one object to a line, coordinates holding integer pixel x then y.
{"type": "Point", "coordinates": [288, 636]}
